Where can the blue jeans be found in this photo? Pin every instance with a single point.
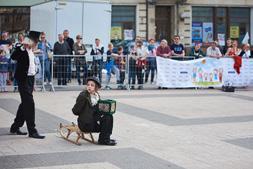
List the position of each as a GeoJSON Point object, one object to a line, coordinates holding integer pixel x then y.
{"type": "Point", "coordinates": [78, 72]}
{"type": "Point", "coordinates": [112, 69]}
{"type": "Point", "coordinates": [47, 69]}
{"type": "Point", "coordinates": [150, 66]}
{"type": "Point", "coordinates": [98, 66]}
{"type": "Point", "coordinates": [132, 71]}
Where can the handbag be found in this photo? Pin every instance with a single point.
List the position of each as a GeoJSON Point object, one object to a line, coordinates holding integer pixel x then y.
{"type": "Point", "coordinates": [50, 54]}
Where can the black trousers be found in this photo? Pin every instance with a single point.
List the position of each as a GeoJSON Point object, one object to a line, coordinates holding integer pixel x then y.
{"type": "Point", "coordinates": [26, 109]}
{"type": "Point", "coordinates": [102, 124]}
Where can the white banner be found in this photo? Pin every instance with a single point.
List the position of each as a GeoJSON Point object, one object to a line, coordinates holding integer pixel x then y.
{"type": "Point", "coordinates": [204, 72]}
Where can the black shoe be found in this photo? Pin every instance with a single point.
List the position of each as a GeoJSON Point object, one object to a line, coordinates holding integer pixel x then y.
{"type": "Point", "coordinates": [36, 135]}
{"type": "Point", "coordinates": [18, 132]}
{"type": "Point", "coordinates": [107, 142]}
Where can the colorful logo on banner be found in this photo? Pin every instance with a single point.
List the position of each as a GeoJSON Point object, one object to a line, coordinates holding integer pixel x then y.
{"type": "Point", "coordinates": [204, 72]}
{"type": "Point", "coordinates": [207, 72]}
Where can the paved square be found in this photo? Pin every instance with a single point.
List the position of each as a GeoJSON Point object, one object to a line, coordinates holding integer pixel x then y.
{"type": "Point", "coordinates": [155, 129]}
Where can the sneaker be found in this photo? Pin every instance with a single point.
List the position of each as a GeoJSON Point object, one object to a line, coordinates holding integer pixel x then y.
{"type": "Point", "coordinates": [140, 87]}
{"type": "Point", "coordinates": [108, 88]}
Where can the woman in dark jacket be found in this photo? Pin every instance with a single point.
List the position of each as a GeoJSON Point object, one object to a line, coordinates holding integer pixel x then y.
{"type": "Point", "coordinates": [90, 119]}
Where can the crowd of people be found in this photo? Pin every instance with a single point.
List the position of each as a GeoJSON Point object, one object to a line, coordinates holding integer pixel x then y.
{"type": "Point", "coordinates": [140, 60]}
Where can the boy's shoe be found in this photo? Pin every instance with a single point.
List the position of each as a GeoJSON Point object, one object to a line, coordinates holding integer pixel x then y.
{"type": "Point", "coordinates": [140, 87]}
{"type": "Point", "coordinates": [132, 87]}
{"type": "Point", "coordinates": [108, 88]}
{"type": "Point", "coordinates": [36, 136]}
{"type": "Point", "coordinates": [108, 142]}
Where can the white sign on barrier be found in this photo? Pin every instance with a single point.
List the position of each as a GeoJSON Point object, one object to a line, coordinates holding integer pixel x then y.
{"type": "Point", "coordinates": [204, 72]}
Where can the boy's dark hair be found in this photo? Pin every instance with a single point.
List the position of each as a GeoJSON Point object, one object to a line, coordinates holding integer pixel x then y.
{"type": "Point", "coordinates": [176, 36]}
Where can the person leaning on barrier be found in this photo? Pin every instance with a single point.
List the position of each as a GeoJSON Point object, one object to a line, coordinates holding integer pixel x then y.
{"type": "Point", "coordinates": [177, 48]}
{"type": "Point", "coordinates": [196, 51]}
{"type": "Point", "coordinates": [234, 50]}
{"type": "Point", "coordinates": [111, 66]}
{"type": "Point", "coordinates": [90, 119]}
{"type": "Point", "coordinates": [151, 61]}
{"type": "Point", "coordinates": [246, 53]}
{"type": "Point", "coordinates": [44, 57]}
{"type": "Point", "coordinates": [132, 67]}
{"type": "Point", "coordinates": [70, 42]}
{"type": "Point", "coordinates": [228, 45]}
{"type": "Point", "coordinates": [24, 74]}
{"type": "Point", "coordinates": [120, 60]}
{"type": "Point", "coordinates": [61, 47]}
{"type": "Point", "coordinates": [164, 50]}
{"type": "Point", "coordinates": [98, 49]}
{"type": "Point", "coordinates": [4, 65]}
{"type": "Point", "coordinates": [142, 52]}
{"type": "Point", "coordinates": [213, 51]}
{"type": "Point", "coordinates": [79, 49]}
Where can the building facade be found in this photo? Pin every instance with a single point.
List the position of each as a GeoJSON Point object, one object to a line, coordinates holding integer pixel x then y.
{"type": "Point", "coordinates": [194, 20]}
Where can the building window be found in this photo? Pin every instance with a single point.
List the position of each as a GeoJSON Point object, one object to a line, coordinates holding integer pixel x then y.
{"type": "Point", "coordinates": [239, 18]}
{"type": "Point", "coordinates": [221, 22]}
{"type": "Point", "coordinates": [123, 22]}
{"type": "Point", "coordinates": [14, 19]}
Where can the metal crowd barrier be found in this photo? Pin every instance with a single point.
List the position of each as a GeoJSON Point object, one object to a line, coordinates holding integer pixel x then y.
{"type": "Point", "coordinates": [120, 72]}
{"type": "Point", "coordinates": [70, 72]}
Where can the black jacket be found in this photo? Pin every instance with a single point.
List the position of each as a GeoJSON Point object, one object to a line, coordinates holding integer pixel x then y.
{"type": "Point", "coordinates": [22, 58]}
{"type": "Point", "coordinates": [70, 42]}
{"type": "Point", "coordinates": [243, 52]}
{"type": "Point", "coordinates": [85, 112]}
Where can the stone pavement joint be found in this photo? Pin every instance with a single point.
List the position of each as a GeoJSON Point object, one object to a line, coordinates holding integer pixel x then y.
{"type": "Point", "coordinates": [124, 158]}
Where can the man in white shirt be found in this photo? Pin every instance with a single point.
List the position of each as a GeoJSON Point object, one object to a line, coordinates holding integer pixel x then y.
{"type": "Point", "coordinates": [213, 51]}
{"type": "Point", "coordinates": [25, 72]}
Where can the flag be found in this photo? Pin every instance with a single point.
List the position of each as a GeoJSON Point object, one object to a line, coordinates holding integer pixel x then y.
{"type": "Point", "coordinates": [246, 38]}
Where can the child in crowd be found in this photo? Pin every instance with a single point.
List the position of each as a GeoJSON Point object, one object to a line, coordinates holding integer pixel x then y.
{"type": "Point", "coordinates": [111, 66]}
{"type": "Point", "coordinates": [4, 65]}
{"type": "Point", "coordinates": [90, 119]}
{"type": "Point", "coordinates": [121, 63]}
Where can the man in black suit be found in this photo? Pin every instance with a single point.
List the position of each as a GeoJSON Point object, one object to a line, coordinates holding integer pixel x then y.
{"type": "Point", "coordinates": [24, 75]}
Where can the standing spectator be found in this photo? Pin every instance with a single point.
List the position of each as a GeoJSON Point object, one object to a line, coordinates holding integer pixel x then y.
{"type": "Point", "coordinates": [164, 50]}
{"type": "Point", "coordinates": [6, 43]}
{"type": "Point", "coordinates": [45, 60]}
{"type": "Point", "coordinates": [132, 66]}
{"type": "Point", "coordinates": [234, 50]}
{"type": "Point", "coordinates": [79, 49]}
{"type": "Point", "coordinates": [61, 47]}
{"type": "Point", "coordinates": [228, 45]}
{"type": "Point", "coordinates": [98, 51]}
{"type": "Point", "coordinates": [151, 61]}
{"type": "Point", "coordinates": [196, 51]}
{"type": "Point", "coordinates": [110, 66]}
{"type": "Point", "coordinates": [141, 62]}
{"type": "Point", "coordinates": [70, 42]}
{"type": "Point", "coordinates": [4, 64]}
{"type": "Point", "coordinates": [234, 53]}
{"type": "Point", "coordinates": [177, 48]}
{"type": "Point", "coordinates": [246, 53]}
{"type": "Point", "coordinates": [121, 63]}
{"type": "Point", "coordinates": [213, 51]}
{"type": "Point", "coordinates": [14, 62]}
